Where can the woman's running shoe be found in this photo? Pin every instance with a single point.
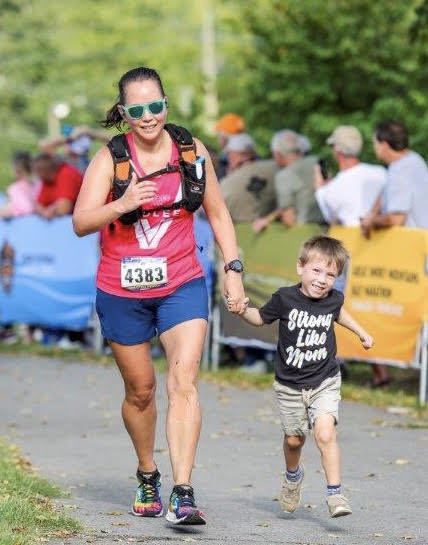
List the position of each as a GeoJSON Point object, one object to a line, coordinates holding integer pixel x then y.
{"type": "Point", "coordinates": [147, 501]}
{"type": "Point", "coordinates": [182, 507]}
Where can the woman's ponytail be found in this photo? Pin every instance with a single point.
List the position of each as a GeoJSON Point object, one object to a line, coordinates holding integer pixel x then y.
{"type": "Point", "coordinates": [113, 118]}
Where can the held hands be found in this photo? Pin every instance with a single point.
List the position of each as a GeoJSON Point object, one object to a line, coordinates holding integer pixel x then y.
{"type": "Point", "coordinates": [136, 194]}
{"type": "Point", "coordinates": [230, 304]}
{"type": "Point", "coordinates": [234, 293]}
{"type": "Point", "coordinates": [366, 340]}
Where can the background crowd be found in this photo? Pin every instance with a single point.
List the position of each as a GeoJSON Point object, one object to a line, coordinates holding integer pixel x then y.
{"type": "Point", "coordinates": [297, 186]}
{"type": "Point", "coordinates": [293, 186]}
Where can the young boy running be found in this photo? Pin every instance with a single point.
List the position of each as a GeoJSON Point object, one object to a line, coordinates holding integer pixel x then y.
{"type": "Point", "coordinates": [307, 378]}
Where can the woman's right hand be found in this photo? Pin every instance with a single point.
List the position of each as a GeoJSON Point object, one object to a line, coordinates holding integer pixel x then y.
{"type": "Point", "coordinates": [136, 194]}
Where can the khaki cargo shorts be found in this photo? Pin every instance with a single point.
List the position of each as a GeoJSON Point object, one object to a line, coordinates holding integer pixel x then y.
{"type": "Point", "coordinates": [300, 408]}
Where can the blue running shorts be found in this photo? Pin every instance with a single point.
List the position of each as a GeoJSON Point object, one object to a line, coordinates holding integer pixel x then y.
{"type": "Point", "coordinates": [129, 321]}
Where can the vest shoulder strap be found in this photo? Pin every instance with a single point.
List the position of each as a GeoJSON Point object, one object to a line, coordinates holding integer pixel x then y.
{"type": "Point", "coordinates": [184, 140]}
{"type": "Point", "coordinates": [118, 147]}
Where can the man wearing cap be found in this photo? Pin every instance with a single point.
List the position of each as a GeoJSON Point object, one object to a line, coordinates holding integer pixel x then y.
{"type": "Point", "coordinates": [350, 195]}
{"type": "Point", "coordinates": [228, 125]}
{"type": "Point", "coordinates": [294, 182]}
{"type": "Point", "coordinates": [240, 149]}
{"type": "Point", "coordinates": [353, 191]}
{"type": "Point", "coordinates": [248, 188]}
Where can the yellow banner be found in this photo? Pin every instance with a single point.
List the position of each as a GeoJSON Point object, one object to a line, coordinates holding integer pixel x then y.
{"type": "Point", "coordinates": [386, 292]}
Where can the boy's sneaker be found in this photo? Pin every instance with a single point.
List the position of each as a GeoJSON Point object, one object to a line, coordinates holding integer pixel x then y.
{"type": "Point", "coordinates": [182, 507]}
{"type": "Point", "coordinates": [338, 505]}
{"type": "Point", "coordinates": [147, 501]}
{"type": "Point", "coordinates": [289, 498]}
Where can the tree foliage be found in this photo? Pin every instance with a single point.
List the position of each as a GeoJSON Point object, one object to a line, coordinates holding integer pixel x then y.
{"type": "Point", "coordinates": [308, 65]}
{"type": "Point", "coordinates": [319, 63]}
{"type": "Point", "coordinates": [75, 52]}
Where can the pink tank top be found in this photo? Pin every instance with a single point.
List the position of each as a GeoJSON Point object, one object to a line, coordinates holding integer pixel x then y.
{"type": "Point", "coordinates": [165, 235]}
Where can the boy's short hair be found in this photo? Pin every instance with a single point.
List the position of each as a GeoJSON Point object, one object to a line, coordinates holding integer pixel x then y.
{"type": "Point", "coordinates": [330, 248]}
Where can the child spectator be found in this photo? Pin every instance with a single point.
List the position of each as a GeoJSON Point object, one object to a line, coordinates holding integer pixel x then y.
{"type": "Point", "coordinates": [307, 378]}
{"type": "Point", "coordinates": [21, 194]}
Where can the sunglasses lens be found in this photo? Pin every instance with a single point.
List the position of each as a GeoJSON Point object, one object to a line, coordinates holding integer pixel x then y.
{"type": "Point", "coordinates": [156, 107]}
{"type": "Point", "coordinates": [136, 112]}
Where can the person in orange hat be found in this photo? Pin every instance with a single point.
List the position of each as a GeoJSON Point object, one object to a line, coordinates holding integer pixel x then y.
{"type": "Point", "coordinates": [229, 124]}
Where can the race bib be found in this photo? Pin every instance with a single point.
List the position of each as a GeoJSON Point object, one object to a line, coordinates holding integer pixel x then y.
{"type": "Point", "coordinates": [143, 273]}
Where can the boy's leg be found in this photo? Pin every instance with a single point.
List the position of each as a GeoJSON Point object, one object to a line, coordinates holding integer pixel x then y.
{"type": "Point", "coordinates": [295, 425]}
{"type": "Point", "coordinates": [325, 438]}
{"type": "Point", "coordinates": [324, 414]}
{"type": "Point", "coordinates": [291, 490]}
{"type": "Point", "coordinates": [293, 445]}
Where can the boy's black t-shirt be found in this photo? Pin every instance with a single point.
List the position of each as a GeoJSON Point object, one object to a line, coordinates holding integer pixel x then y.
{"type": "Point", "coordinates": [306, 352]}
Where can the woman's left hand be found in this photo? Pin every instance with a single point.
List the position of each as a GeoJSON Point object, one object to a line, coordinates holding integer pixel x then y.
{"type": "Point", "coordinates": [234, 292]}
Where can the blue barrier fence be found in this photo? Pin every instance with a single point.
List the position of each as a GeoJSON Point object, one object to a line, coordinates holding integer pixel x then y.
{"type": "Point", "coordinates": [47, 273]}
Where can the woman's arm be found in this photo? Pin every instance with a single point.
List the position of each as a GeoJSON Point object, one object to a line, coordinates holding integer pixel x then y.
{"type": "Point", "coordinates": [224, 232]}
{"type": "Point", "coordinates": [91, 212]}
{"type": "Point", "coordinates": [346, 320]}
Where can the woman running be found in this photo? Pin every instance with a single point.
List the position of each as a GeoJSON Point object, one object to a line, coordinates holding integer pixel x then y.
{"type": "Point", "coordinates": [140, 192]}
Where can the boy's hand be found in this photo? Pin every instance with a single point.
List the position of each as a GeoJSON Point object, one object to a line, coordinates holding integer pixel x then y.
{"type": "Point", "coordinates": [230, 302]}
{"type": "Point", "coordinates": [367, 341]}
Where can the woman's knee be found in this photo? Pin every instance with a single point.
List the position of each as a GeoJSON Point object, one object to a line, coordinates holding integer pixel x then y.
{"type": "Point", "coordinates": [182, 385]}
{"type": "Point", "coordinates": [141, 396]}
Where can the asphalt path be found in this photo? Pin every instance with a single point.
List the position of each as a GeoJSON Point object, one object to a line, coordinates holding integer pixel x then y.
{"type": "Point", "coordinates": [65, 416]}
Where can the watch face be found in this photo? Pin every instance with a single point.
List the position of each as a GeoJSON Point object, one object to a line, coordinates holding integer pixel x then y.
{"type": "Point", "coordinates": [236, 265]}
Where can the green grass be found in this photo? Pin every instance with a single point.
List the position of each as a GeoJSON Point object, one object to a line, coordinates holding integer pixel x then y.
{"type": "Point", "coordinates": [403, 390]}
{"type": "Point", "coordinates": [27, 512]}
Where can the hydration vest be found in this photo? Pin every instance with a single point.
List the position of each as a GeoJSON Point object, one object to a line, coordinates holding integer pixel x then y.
{"type": "Point", "coordinates": [191, 168]}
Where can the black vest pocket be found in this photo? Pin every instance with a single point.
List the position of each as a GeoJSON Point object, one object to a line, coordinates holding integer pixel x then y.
{"type": "Point", "coordinates": [193, 184]}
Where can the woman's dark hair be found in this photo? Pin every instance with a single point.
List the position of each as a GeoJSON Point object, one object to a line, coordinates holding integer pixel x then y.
{"type": "Point", "coordinates": [114, 117]}
{"type": "Point", "coordinates": [22, 160]}
{"type": "Point", "coordinates": [394, 133]}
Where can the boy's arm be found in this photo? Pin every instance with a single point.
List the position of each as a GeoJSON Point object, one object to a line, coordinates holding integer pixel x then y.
{"type": "Point", "coordinates": [258, 317]}
{"type": "Point", "coordinates": [252, 316]}
{"type": "Point", "coordinates": [346, 320]}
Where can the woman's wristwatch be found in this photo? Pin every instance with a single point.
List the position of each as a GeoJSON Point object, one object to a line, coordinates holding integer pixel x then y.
{"type": "Point", "coordinates": [234, 265]}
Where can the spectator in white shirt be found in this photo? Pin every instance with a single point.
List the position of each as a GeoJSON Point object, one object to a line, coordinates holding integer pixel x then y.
{"type": "Point", "coordinates": [349, 196]}
{"type": "Point", "coordinates": [353, 191]}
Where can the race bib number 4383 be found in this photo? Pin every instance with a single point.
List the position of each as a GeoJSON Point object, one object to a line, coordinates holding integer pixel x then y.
{"type": "Point", "coordinates": [143, 273]}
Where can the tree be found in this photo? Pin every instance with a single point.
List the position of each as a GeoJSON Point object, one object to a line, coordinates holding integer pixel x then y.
{"type": "Point", "coordinates": [316, 64]}
{"type": "Point", "coordinates": [77, 51]}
